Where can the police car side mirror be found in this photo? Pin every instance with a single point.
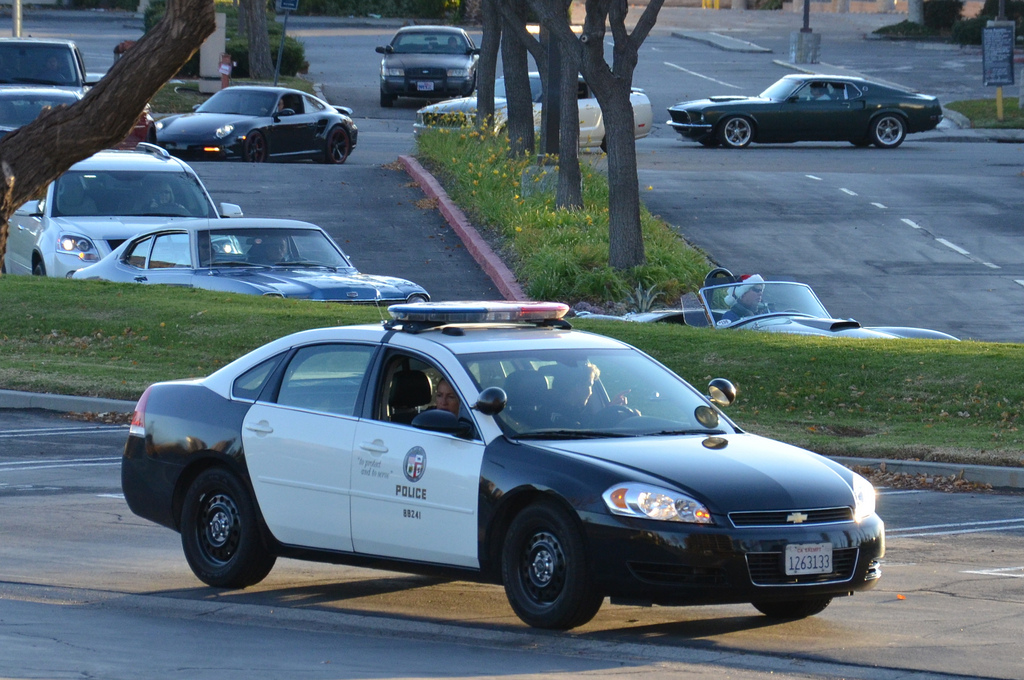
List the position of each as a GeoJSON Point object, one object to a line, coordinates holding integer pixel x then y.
{"type": "Point", "coordinates": [491, 401]}
{"type": "Point", "coordinates": [722, 392]}
{"type": "Point", "coordinates": [439, 420]}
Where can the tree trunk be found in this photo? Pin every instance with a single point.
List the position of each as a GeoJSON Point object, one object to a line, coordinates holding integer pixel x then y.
{"type": "Point", "coordinates": [488, 65]}
{"type": "Point", "coordinates": [260, 65]}
{"type": "Point", "coordinates": [569, 191]}
{"type": "Point", "coordinates": [34, 155]}
{"type": "Point", "coordinates": [517, 88]}
{"type": "Point", "coordinates": [915, 11]}
{"type": "Point", "coordinates": [611, 86]}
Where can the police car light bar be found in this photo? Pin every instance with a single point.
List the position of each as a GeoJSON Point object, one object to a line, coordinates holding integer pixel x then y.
{"type": "Point", "coordinates": [478, 312]}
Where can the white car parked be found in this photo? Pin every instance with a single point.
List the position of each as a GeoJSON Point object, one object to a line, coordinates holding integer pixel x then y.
{"type": "Point", "coordinates": [99, 203]}
{"type": "Point", "coordinates": [456, 113]}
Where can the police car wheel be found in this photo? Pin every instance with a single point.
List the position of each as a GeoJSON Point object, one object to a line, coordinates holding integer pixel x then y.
{"type": "Point", "coordinates": [220, 532]}
{"type": "Point", "coordinates": [793, 609]}
{"type": "Point", "coordinates": [543, 565]}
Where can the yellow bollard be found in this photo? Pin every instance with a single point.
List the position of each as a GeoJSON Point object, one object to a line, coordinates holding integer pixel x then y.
{"type": "Point", "coordinates": [999, 103]}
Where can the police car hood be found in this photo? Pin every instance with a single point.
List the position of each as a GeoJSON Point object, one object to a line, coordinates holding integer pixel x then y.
{"type": "Point", "coordinates": [745, 472]}
{"type": "Point", "coordinates": [316, 283]}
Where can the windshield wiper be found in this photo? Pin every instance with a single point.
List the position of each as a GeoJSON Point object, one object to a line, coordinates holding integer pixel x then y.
{"type": "Point", "coordinates": [236, 263]}
{"type": "Point", "coordinates": [570, 434]}
{"type": "Point", "coordinates": [680, 432]}
{"type": "Point", "coordinates": [298, 263]}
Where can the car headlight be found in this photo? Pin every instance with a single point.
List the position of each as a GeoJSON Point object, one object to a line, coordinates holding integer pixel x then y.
{"type": "Point", "coordinates": [159, 125]}
{"type": "Point", "coordinates": [224, 130]}
{"type": "Point", "coordinates": [864, 498]}
{"type": "Point", "coordinates": [80, 246]}
{"type": "Point", "coordinates": [643, 500]}
{"type": "Point", "coordinates": [392, 71]}
{"type": "Point", "coordinates": [458, 72]}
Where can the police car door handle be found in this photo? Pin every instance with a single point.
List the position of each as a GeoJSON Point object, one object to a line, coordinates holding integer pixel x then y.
{"type": "Point", "coordinates": [262, 427]}
{"type": "Point", "coordinates": [140, 279]}
{"type": "Point", "coordinates": [376, 446]}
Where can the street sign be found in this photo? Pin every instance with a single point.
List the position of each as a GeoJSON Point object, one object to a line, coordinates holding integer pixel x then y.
{"type": "Point", "coordinates": [288, 5]}
{"type": "Point", "coordinates": [997, 53]}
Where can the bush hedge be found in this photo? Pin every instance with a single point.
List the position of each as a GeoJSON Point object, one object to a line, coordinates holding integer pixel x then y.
{"type": "Point", "coordinates": [940, 15]}
{"type": "Point", "coordinates": [413, 9]}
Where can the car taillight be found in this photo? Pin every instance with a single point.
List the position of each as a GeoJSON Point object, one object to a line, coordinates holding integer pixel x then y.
{"type": "Point", "coordinates": [138, 427]}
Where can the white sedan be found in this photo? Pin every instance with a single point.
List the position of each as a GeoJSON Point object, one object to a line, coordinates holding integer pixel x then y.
{"type": "Point", "coordinates": [456, 113]}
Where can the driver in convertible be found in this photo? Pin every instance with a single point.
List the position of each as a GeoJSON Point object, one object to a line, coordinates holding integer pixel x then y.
{"type": "Point", "coordinates": [746, 298]}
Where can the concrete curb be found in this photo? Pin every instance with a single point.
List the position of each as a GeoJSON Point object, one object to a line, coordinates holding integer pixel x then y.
{"type": "Point", "coordinates": [998, 477]}
{"type": "Point", "coordinates": [14, 399]}
{"type": "Point", "coordinates": [493, 265]}
{"type": "Point", "coordinates": [720, 41]}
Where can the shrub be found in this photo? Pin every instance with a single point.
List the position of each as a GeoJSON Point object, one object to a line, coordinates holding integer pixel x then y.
{"type": "Point", "coordinates": [413, 9]}
{"type": "Point", "coordinates": [293, 59]}
{"type": "Point", "coordinates": [129, 5]}
{"type": "Point", "coordinates": [940, 15]}
{"type": "Point", "coordinates": [905, 29]}
{"type": "Point", "coordinates": [968, 31]}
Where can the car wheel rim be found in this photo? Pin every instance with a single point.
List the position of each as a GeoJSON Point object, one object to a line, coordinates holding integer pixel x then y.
{"type": "Point", "coordinates": [543, 568]}
{"type": "Point", "coordinates": [339, 147]}
{"type": "Point", "coordinates": [219, 528]}
{"type": "Point", "coordinates": [737, 132]}
{"type": "Point", "coordinates": [889, 130]}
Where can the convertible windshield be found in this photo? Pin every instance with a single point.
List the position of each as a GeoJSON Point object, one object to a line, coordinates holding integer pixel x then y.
{"type": "Point", "coordinates": [734, 303]}
{"type": "Point", "coordinates": [269, 248]}
{"type": "Point", "coordinates": [568, 393]}
{"type": "Point", "coordinates": [243, 102]}
{"type": "Point", "coordinates": [121, 193]}
{"type": "Point", "coordinates": [780, 90]}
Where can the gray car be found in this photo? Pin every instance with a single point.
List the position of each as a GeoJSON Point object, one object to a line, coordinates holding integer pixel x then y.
{"type": "Point", "coordinates": [49, 63]}
{"type": "Point", "coordinates": [278, 258]}
{"type": "Point", "coordinates": [428, 62]}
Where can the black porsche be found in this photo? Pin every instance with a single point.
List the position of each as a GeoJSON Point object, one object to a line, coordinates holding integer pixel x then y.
{"type": "Point", "coordinates": [259, 124]}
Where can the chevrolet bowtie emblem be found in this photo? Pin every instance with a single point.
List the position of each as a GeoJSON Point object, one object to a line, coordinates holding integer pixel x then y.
{"type": "Point", "coordinates": [796, 517]}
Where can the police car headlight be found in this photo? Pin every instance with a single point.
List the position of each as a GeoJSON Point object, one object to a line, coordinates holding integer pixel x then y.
{"type": "Point", "coordinates": [392, 71]}
{"type": "Point", "coordinates": [83, 248]}
{"type": "Point", "coordinates": [224, 130]}
{"type": "Point", "coordinates": [864, 498]}
{"type": "Point", "coordinates": [643, 500]}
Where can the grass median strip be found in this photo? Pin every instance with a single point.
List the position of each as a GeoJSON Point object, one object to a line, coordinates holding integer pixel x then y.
{"type": "Point", "coordinates": [921, 399]}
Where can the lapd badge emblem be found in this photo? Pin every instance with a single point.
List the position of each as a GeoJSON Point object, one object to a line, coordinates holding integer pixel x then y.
{"type": "Point", "coordinates": [415, 464]}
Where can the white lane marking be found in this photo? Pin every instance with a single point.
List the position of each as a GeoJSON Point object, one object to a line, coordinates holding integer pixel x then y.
{"type": "Point", "coordinates": [813, 177]}
{"type": "Point", "coordinates": [952, 246]}
{"type": "Point", "coordinates": [119, 496]}
{"type": "Point", "coordinates": [700, 75]}
{"type": "Point", "coordinates": [879, 206]}
{"type": "Point", "coordinates": [1019, 282]}
{"type": "Point", "coordinates": [991, 265]}
{"type": "Point", "coordinates": [957, 528]}
{"type": "Point", "coordinates": [848, 192]}
{"type": "Point", "coordinates": [50, 431]}
{"type": "Point", "coordinates": [998, 572]}
{"type": "Point", "coordinates": [910, 223]}
{"type": "Point", "coordinates": [20, 465]}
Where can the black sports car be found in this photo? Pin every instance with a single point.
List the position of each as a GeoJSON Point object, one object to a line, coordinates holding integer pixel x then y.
{"type": "Point", "coordinates": [259, 124]}
{"type": "Point", "coordinates": [809, 108]}
{"type": "Point", "coordinates": [428, 62]}
{"type": "Point", "coordinates": [567, 466]}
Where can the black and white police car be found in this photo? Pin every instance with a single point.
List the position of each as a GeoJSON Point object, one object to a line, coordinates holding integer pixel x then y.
{"type": "Point", "coordinates": [576, 468]}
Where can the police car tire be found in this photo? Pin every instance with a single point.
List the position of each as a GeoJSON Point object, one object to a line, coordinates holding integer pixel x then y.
{"type": "Point", "coordinates": [793, 609]}
{"type": "Point", "coordinates": [544, 569]}
{"type": "Point", "coordinates": [220, 532]}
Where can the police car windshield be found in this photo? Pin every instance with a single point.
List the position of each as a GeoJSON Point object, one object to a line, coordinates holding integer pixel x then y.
{"type": "Point", "coordinates": [591, 393]}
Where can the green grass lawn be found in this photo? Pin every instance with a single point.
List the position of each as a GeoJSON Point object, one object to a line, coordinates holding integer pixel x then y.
{"type": "Point", "coordinates": [923, 399]}
{"type": "Point", "coordinates": [982, 112]}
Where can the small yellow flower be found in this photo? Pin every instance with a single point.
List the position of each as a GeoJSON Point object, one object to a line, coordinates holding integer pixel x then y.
{"type": "Point", "coordinates": [650, 188]}
{"type": "Point", "coordinates": [519, 228]}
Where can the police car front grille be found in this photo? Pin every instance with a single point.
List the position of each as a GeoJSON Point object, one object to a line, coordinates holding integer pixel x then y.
{"type": "Point", "coordinates": [766, 569]}
{"type": "Point", "coordinates": [791, 517]}
{"type": "Point", "coordinates": [677, 574]}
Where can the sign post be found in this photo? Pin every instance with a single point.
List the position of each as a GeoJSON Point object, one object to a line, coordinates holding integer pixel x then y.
{"type": "Point", "coordinates": [287, 6]}
{"type": "Point", "coordinates": [997, 41]}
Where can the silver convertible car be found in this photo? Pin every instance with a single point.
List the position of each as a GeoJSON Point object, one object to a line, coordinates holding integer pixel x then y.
{"type": "Point", "coordinates": [279, 258]}
{"type": "Point", "coordinates": [751, 303]}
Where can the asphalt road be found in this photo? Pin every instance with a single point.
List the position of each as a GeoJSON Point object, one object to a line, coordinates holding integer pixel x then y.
{"type": "Point", "coordinates": [81, 575]}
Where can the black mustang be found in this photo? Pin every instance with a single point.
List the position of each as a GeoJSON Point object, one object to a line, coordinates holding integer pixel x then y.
{"type": "Point", "coordinates": [259, 124]}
